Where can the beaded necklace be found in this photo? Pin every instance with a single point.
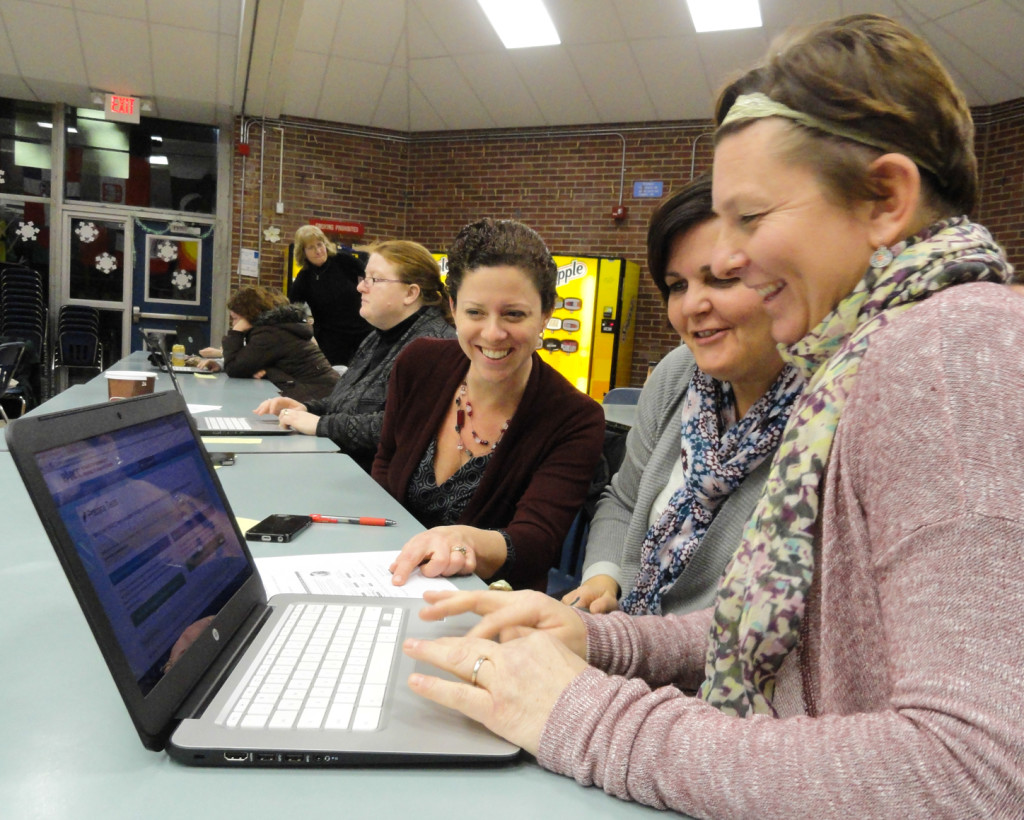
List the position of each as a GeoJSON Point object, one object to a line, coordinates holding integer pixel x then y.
{"type": "Point", "coordinates": [461, 414]}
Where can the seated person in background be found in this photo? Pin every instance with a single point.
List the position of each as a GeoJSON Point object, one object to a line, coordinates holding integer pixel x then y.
{"type": "Point", "coordinates": [704, 436]}
{"type": "Point", "coordinates": [404, 299]}
{"type": "Point", "coordinates": [327, 283]}
{"type": "Point", "coordinates": [863, 657]}
{"type": "Point", "coordinates": [488, 446]}
{"type": "Point", "coordinates": [270, 338]}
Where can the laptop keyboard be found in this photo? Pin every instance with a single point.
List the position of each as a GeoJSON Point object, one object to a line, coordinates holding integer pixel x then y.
{"type": "Point", "coordinates": [326, 668]}
{"type": "Point", "coordinates": [228, 423]}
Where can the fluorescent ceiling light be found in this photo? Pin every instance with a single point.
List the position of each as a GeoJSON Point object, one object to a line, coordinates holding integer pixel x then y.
{"type": "Point", "coordinates": [157, 159]}
{"type": "Point", "coordinates": [521, 23]}
{"type": "Point", "coordinates": [724, 15]}
{"type": "Point", "coordinates": [45, 124]}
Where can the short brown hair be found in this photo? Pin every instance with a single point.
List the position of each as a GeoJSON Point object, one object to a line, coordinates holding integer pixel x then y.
{"type": "Point", "coordinates": [868, 74]}
{"type": "Point", "coordinates": [251, 300]}
{"type": "Point", "coordinates": [676, 216]}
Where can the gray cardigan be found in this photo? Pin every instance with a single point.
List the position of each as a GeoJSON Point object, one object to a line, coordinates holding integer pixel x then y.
{"type": "Point", "coordinates": [652, 450]}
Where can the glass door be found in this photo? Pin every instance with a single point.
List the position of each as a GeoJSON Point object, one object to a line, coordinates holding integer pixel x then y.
{"type": "Point", "coordinates": [97, 273]}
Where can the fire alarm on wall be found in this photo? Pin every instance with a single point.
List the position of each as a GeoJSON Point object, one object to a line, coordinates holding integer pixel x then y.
{"type": "Point", "coordinates": [619, 212]}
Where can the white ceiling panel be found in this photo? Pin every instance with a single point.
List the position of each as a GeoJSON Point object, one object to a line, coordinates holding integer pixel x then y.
{"type": "Point", "coordinates": [194, 14]}
{"type": "Point", "coordinates": [351, 90]}
{"type": "Point", "coordinates": [125, 9]}
{"type": "Point", "coordinates": [501, 91]}
{"type": "Point", "coordinates": [613, 82]}
{"type": "Point", "coordinates": [620, 60]}
{"type": "Point", "coordinates": [370, 32]}
{"type": "Point", "coordinates": [655, 18]}
{"type": "Point", "coordinates": [57, 55]}
{"type": "Point", "coordinates": [555, 85]}
{"type": "Point", "coordinates": [393, 104]}
{"type": "Point", "coordinates": [449, 95]}
{"type": "Point", "coordinates": [596, 21]}
{"type": "Point", "coordinates": [305, 84]}
{"type": "Point", "coordinates": [185, 66]}
{"type": "Point", "coordinates": [675, 78]}
{"type": "Point", "coordinates": [130, 37]}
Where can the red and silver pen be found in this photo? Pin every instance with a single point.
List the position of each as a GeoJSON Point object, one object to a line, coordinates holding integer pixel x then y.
{"type": "Point", "coordinates": [352, 519]}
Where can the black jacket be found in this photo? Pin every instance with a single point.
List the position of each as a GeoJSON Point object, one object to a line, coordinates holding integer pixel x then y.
{"type": "Point", "coordinates": [281, 343]}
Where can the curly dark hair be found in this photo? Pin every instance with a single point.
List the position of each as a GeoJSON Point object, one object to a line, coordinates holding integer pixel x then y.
{"type": "Point", "coordinates": [493, 242]}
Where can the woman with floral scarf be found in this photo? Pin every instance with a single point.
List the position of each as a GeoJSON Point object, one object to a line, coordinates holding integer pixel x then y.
{"type": "Point", "coordinates": [864, 653]}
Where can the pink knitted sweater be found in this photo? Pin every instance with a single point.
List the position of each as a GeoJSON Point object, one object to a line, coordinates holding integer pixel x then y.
{"type": "Point", "coordinates": [907, 697]}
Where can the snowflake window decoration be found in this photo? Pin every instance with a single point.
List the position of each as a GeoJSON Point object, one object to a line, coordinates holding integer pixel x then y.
{"type": "Point", "coordinates": [168, 251]}
{"type": "Point", "coordinates": [105, 263]}
{"type": "Point", "coordinates": [87, 232]}
{"type": "Point", "coordinates": [182, 280]}
{"type": "Point", "coordinates": [2, 180]}
{"type": "Point", "coordinates": [28, 231]}
{"type": "Point", "coordinates": [272, 234]}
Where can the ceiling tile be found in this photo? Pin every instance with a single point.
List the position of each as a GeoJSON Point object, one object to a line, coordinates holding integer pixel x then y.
{"type": "Point", "coordinates": [351, 89]}
{"type": "Point", "coordinates": [723, 53]}
{"type": "Point", "coordinates": [130, 9]}
{"type": "Point", "coordinates": [370, 32]}
{"type": "Point", "coordinates": [655, 18]}
{"type": "Point", "coordinates": [393, 104]}
{"type": "Point", "coordinates": [317, 26]}
{"type": "Point", "coordinates": [460, 25]}
{"type": "Point", "coordinates": [613, 82]}
{"type": "Point", "coordinates": [103, 36]}
{"type": "Point", "coordinates": [305, 84]}
{"type": "Point", "coordinates": [554, 84]}
{"type": "Point", "coordinates": [422, 117]}
{"type": "Point", "coordinates": [193, 14]}
{"type": "Point", "coordinates": [500, 89]}
{"type": "Point", "coordinates": [450, 96]}
{"type": "Point", "coordinates": [185, 64]}
{"type": "Point", "coordinates": [59, 56]}
{"type": "Point", "coordinates": [596, 21]}
{"type": "Point", "coordinates": [421, 40]}
{"type": "Point", "coordinates": [674, 77]}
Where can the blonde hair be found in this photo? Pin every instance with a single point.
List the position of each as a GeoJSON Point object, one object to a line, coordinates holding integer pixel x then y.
{"type": "Point", "coordinates": [310, 235]}
{"type": "Point", "coordinates": [415, 265]}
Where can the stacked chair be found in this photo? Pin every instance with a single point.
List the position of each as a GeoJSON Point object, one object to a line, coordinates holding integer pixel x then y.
{"type": "Point", "coordinates": [77, 345]}
{"type": "Point", "coordinates": [23, 317]}
{"type": "Point", "coordinates": [10, 358]}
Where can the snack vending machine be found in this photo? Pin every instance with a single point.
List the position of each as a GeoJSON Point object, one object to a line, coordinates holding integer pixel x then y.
{"type": "Point", "coordinates": [589, 337]}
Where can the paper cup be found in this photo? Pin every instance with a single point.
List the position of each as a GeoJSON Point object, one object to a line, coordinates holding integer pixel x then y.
{"type": "Point", "coordinates": [124, 384]}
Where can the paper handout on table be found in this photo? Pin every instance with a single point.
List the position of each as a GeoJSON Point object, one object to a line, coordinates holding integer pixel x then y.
{"type": "Point", "coordinates": [342, 573]}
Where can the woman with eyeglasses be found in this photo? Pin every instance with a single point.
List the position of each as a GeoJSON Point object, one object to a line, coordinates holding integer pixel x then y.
{"type": "Point", "coordinates": [327, 283]}
{"type": "Point", "coordinates": [403, 299]}
{"type": "Point", "coordinates": [487, 445]}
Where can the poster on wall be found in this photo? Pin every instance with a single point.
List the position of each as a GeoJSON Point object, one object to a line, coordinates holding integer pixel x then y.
{"type": "Point", "coordinates": [173, 268]}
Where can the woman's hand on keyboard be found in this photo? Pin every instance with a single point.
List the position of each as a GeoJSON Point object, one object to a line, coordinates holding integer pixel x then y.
{"type": "Point", "coordinates": [516, 684]}
{"type": "Point", "coordinates": [506, 616]}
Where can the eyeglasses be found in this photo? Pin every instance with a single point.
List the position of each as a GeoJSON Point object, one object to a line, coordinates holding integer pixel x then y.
{"type": "Point", "coordinates": [373, 280]}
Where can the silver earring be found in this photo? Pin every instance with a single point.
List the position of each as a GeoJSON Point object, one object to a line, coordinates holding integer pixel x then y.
{"type": "Point", "coordinates": [881, 258]}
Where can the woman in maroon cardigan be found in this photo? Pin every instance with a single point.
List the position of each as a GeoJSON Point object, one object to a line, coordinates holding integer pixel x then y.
{"type": "Point", "coordinates": [488, 446]}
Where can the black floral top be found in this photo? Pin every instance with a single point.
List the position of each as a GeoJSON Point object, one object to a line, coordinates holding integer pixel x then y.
{"type": "Point", "coordinates": [434, 505]}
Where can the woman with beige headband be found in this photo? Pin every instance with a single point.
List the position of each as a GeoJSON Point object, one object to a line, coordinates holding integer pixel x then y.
{"type": "Point", "coordinates": [863, 657]}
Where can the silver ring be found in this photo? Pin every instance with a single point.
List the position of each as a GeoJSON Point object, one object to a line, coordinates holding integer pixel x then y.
{"type": "Point", "coordinates": [459, 548]}
{"type": "Point", "coordinates": [284, 412]}
{"type": "Point", "coordinates": [476, 669]}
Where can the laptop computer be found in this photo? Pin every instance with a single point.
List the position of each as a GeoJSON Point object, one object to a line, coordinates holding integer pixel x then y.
{"type": "Point", "coordinates": [145, 534]}
{"type": "Point", "coordinates": [213, 424]}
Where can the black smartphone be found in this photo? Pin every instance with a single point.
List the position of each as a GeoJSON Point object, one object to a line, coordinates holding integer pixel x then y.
{"type": "Point", "coordinates": [278, 528]}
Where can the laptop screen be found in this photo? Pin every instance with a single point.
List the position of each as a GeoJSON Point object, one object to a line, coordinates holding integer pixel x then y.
{"type": "Point", "coordinates": [154, 537]}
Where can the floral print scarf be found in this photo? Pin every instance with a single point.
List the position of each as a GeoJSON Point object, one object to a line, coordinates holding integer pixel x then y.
{"type": "Point", "coordinates": [717, 454]}
{"type": "Point", "coordinates": [761, 599]}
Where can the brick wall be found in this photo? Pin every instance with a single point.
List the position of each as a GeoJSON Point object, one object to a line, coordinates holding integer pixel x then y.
{"type": "Point", "coordinates": [562, 182]}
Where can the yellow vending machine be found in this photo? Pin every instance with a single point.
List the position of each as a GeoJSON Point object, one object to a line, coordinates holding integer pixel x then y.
{"type": "Point", "coordinates": [589, 338]}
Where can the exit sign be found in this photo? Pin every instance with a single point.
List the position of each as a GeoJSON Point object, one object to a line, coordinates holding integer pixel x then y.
{"type": "Point", "coordinates": [119, 108]}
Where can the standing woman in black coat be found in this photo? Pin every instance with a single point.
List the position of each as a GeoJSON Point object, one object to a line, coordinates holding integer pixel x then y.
{"type": "Point", "coordinates": [327, 283]}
